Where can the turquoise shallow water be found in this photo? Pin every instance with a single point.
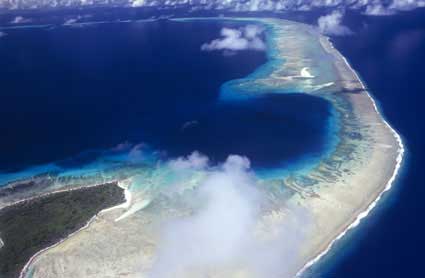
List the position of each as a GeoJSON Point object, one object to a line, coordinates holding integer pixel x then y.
{"type": "Point", "coordinates": [388, 84]}
{"type": "Point", "coordinates": [156, 99]}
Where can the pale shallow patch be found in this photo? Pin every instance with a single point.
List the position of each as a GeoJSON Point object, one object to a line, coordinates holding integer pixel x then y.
{"type": "Point", "coordinates": [294, 230]}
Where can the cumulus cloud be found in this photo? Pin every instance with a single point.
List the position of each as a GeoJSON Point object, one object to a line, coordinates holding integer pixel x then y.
{"type": "Point", "coordinates": [406, 4]}
{"type": "Point", "coordinates": [138, 3]}
{"type": "Point", "coordinates": [378, 9]}
{"type": "Point", "coordinates": [248, 37]}
{"type": "Point", "coordinates": [368, 6]}
{"type": "Point", "coordinates": [138, 152]}
{"type": "Point", "coordinates": [122, 146]}
{"type": "Point", "coordinates": [195, 161]}
{"type": "Point", "coordinates": [20, 20]}
{"type": "Point", "coordinates": [331, 24]}
{"type": "Point", "coordinates": [76, 20]}
{"type": "Point", "coordinates": [71, 21]}
{"type": "Point", "coordinates": [133, 152]}
{"type": "Point", "coordinates": [223, 237]}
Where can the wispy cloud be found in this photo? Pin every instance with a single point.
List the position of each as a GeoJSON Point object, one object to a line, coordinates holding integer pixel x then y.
{"type": "Point", "coordinates": [248, 37]}
{"type": "Point", "coordinates": [331, 24]}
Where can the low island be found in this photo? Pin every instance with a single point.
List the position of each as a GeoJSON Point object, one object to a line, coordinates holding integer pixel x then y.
{"type": "Point", "coordinates": [303, 211]}
{"type": "Point", "coordinates": [32, 225]}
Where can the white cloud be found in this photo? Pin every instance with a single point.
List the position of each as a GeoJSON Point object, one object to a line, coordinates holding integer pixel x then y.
{"type": "Point", "coordinates": [406, 4]}
{"type": "Point", "coordinates": [71, 21]}
{"type": "Point", "coordinates": [224, 236]}
{"type": "Point", "coordinates": [2, 34]}
{"type": "Point", "coordinates": [77, 19]}
{"type": "Point", "coordinates": [378, 9]}
{"type": "Point", "coordinates": [331, 24]}
{"type": "Point", "coordinates": [194, 161]}
{"type": "Point", "coordinates": [368, 6]}
{"type": "Point", "coordinates": [244, 38]}
{"type": "Point", "coordinates": [20, 20]}
{"type": "Point", "coordinates": [138, 3]}
{"type": "Point", "coordinates": [137, 153]}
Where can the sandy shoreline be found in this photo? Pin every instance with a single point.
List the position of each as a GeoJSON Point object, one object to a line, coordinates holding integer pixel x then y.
{"type": "Point", "coordinates": [364, 211]}
{"type": "Point", "coordinates": [368, 157]}
{"type": "Point", "coordinates": [349, 183]}
{"type": "Point", "coordinates": [124, 205]}
{"type": "Point", "coordinates": [10, 204]}
{"type": "Point", "coordinates": [127, 197]}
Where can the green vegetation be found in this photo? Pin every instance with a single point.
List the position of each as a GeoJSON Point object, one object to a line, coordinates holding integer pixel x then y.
{"type": "Point", "coordinates": [30, 226]}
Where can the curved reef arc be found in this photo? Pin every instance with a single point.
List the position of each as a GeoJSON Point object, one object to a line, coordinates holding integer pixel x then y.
{"type": "Point", "coordinates": [362, 215]}
{"type": "Point", "coordinates": [333, 79]}
{"type": "Point", "coordinates": [336, 190]}
{"type": "Point", "coordinates": [343, 92]}
{"type": "Point", "coordinates": [357, 113]}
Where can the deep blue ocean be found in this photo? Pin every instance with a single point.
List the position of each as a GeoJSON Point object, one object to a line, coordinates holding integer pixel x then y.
{"type": "Point", "coordinates": [389, 54]}
{"type": "Point", "coordinates": [69, 90]}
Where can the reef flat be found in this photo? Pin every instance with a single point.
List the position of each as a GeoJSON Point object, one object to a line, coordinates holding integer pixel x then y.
{"type": "Point", "coordinates": [349, 182]}
{"type": "Point", "coordinates": [302, 211]}
{"type": "Point", "coordinates": [32, 225]}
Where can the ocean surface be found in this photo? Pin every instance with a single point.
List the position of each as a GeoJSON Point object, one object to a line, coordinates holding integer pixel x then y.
{"type": "Point", "coordinates": [388, 53]}
{"type": "Point", "coordinates": [71, 93]}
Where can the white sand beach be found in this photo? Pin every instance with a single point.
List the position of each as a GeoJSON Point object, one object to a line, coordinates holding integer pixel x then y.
{"type": "Point", "coordinates": [343, 188]}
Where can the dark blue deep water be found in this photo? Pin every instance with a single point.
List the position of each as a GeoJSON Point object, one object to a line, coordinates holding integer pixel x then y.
{"type": "Point", "coordinates": [389, 54]}
{"type": "Point", "coordinates": [67, 90]}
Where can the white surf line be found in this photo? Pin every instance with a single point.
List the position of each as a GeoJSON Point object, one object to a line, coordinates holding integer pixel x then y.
{"type": "Point", "coordinates": [388, 186]}
{"type": "Point", "coordinates": [32, 259]}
